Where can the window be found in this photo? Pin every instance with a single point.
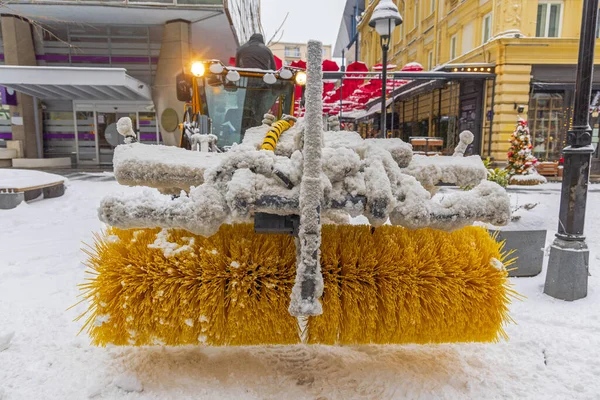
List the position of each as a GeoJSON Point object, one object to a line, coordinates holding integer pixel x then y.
{"type": "Point", "coordinates": [430, 60]}
{"type": "Point", "coordinates": [487, 28]}
{"type": "Point", "coordinates": [453, 47]}
{"type": "Point", "coordinates": [548, 124]}
{"type": "Point", "coordinates": [432, 6]}
{"type": "Point", "coordinates": [598, 27]}
{"type": "Point", "coordinates": [549, 18]}
{"type": "Point", "coordinates": [416, 15]}
{"type": "Point", "coordinates": [292, 51]}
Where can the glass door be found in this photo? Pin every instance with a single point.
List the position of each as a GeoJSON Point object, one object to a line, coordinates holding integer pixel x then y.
{"type": "Point", "coordinates": [108, 136]}
{"type": "Point", "coordinates": [85, 137]}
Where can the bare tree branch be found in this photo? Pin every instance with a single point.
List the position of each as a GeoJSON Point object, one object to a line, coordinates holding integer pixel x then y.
{"type": "Point", "coordinates": [278, 29]}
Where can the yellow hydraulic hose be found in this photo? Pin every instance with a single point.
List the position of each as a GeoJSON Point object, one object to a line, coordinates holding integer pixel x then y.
{"type": "Point", "coordinates": [275, 132]}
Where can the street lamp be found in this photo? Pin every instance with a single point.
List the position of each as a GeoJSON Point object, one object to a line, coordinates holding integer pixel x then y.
{"type": "Point", "coordinates": [567, 276]}
{"type": "Point", "coordinates": [385, 18]}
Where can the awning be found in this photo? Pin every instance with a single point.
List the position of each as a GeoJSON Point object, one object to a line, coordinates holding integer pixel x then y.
{"type": "Point", "coordinates": [69, 83]}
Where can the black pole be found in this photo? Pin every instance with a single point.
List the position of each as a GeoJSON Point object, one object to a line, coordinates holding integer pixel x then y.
{"type": "Point", "coordinates": [579, 149]}
{"type": "Point", "coordinates": [393, 104]}
{"type": "Point", "coordinates": [341, 95]}
{"type": "Point", "coordinates": [384, 48]}
{"type": "Point", "coordinates": [492, 117]}
{"type": "Point", "coordinates": [568, 265]}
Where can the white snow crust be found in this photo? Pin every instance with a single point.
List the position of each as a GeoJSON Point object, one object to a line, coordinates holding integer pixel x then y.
{"type": "Point", "coordinates": [167, 168]}
{"type": "Point", "coordinates": [461, 171]}
{"type": "Point", "coordinates": [553, 351]}
{"type": "Point", "coordinates": [23, 178]}
{"type": "Point", "coordinates": [533, 178]}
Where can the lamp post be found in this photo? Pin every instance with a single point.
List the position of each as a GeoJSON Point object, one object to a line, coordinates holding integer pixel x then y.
{"type": "Point", "coordinates": [384, 19]}
{"type": "Point", "coordinates": [567, 276]}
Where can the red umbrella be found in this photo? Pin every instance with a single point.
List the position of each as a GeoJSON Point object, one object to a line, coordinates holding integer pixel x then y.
{"type": "Point", "coordinates": [412, 67]}
{"type": "Point", "coordinates": [379, 67]}
{"type": "Point", "coordinates": [330, 66]}
{"type": "Point", "coordinates": [298, 64]}
{"type": "Point", "coordinates": [278, 63]}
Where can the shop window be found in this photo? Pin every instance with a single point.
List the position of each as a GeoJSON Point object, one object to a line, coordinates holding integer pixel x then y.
{"type": "Point", "coordinates": [487, 28]}
{"type": "Point", "coordinates": [548, 125]}
{"type": "Point", "coordinates": [549, 18]}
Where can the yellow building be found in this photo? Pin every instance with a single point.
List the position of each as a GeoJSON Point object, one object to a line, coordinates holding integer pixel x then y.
{"type": "Point", "coordinates": [533, 45]}
{"type": "Point", "coordinates": [290, 52]}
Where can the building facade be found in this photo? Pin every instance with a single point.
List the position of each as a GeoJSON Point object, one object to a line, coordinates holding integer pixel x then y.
{"type": "Point", "coordinates": [290, 52]}
{"type": "Point", "coordinates": [532, 46]}
{"type": "Point", "coordinates": [70, 69]}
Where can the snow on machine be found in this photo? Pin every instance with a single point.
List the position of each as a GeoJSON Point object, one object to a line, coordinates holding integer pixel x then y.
{"type": "Point", "coordinates": [241, 256]}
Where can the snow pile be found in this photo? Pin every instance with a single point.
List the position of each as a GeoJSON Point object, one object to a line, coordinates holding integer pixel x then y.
{"type": "Point", "coordinates": [203, 142]}
{"type": "Point", "coordinates": [167, 168]}
{"type": "Point", "coordinates": [532, 178]}
{"type": "Point", "coordinates": [128, 383]}
{"type": "Point", "coordinates": [5, 340]}
{"type": "Point", "coordinates": [460, 171]}
{"type": "Point", "coordinates": [366, 182]}
{"type": "Point", "coordinates": [22, 178]}
{"type": "Point", "coordinates": [400, 150]}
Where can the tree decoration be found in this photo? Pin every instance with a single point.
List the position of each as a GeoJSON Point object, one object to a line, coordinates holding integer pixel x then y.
{"type": "Point", "coordinates": [521, 161]}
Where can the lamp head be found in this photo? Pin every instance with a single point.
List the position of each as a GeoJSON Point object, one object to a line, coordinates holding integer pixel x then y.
{"type": "Point", "coordinates": [385, 18]}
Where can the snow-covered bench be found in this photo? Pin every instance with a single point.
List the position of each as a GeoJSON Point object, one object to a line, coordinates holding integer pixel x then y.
{"type": "Point", "coordinates": [18, 185]}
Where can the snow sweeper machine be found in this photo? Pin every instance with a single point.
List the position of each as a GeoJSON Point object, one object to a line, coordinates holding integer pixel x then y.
{"type": "Point", "coordinates": [270, 230]}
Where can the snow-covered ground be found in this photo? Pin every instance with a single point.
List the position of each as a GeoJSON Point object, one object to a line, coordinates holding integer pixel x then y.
{"type": "Point", "coordinates": [553, 351]}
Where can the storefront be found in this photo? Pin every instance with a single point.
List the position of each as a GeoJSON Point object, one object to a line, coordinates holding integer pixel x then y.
{"type": "Point", "coordinates": [550, 109]}
{"type": "Point", "coordinates": [87, 132]}
{"type": "Point", "coordinates": [75, 118]}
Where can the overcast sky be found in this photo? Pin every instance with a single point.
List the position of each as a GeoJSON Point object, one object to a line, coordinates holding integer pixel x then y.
{"type": "Point", "coordinates": [308, 19]}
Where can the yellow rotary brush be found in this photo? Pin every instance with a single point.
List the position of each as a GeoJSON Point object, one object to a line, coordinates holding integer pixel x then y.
{"type": "Point", "coordinates": [392, 285]}
{"type": "Point", "coordinates": [275, 132]}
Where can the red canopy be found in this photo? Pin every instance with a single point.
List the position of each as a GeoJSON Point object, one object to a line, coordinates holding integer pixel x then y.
{"type": "Point", "coordinates": [278, 62]}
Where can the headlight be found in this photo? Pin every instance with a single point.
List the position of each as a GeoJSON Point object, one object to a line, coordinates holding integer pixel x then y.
{"type": "Point", "coordinates": [198, 69]}
{"type": "Point", "coordinates": [301, 78]}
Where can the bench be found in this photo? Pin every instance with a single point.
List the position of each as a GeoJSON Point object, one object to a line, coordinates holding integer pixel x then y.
{"type": "Point", "coordinates": [28, 186]}
{"type": "Point", "coordinates": [427, 145]}
{"type": "Point", "coordinates": [547, 168]}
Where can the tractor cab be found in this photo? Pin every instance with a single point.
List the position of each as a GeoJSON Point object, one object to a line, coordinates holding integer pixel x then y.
{"type": "Point", "coordinates": [226, 101]}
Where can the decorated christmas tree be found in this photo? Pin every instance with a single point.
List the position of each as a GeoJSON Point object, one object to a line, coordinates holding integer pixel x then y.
{"type": "Point", "coordinates": [521, 161]}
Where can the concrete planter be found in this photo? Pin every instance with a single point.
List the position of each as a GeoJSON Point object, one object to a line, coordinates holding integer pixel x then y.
{"type": "Point", "coordinates": [529, 250]}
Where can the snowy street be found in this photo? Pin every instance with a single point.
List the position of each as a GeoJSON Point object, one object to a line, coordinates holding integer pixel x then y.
{"type": "Point", "coordinates": [553, 351]}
